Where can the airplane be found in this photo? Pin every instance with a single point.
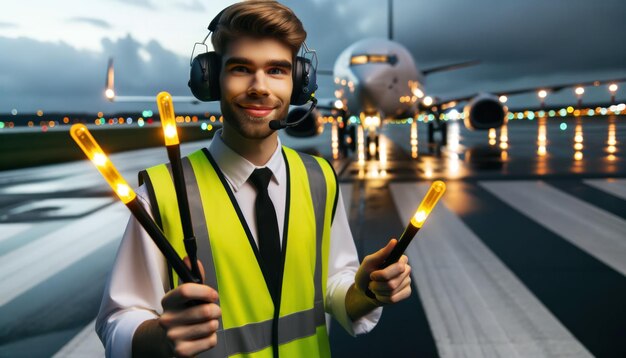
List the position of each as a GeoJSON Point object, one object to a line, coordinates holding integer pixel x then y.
{"type": "Point", "coordinates": [377, 80]}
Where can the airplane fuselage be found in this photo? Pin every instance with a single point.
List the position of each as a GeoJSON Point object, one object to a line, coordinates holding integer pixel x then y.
{"type": "Point", "coordinates": [378, 77]}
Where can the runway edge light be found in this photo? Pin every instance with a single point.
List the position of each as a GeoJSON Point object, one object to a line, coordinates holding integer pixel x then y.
{"type": "Point", "coordinates": [92, 150]}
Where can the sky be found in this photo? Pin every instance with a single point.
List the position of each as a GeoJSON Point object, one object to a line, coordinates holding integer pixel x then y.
{"type": "Point", "coordinates": [54, 58]}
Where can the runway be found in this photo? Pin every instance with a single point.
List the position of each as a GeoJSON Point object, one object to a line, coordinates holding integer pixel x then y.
{"type": "Point", "coordinates": [525, 258]}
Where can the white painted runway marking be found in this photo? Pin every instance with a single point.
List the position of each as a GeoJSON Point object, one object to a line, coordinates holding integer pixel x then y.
{"type": "Point", "coordinates": [7, 231]}
{"type": "Point", "coordinates": [31, 264]}
{"type": "Point", "coordinates": [75, 182]}
{"type": "Point", "coordinates": [49, 208]}
{"type": "Point", "coordinates": [85, 344]}
{"type": "Point", "coordinates": [616, 187]}
{"type": "Point", "coordinates": [475, 305]}
{"type": "Point", "coordinates": [597, 232]}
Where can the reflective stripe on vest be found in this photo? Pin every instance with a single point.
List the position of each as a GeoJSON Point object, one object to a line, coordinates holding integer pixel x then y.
{"type": "Point", "coordinates": [230, 260]}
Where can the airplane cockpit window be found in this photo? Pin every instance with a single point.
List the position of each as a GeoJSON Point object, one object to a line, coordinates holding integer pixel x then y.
{"type": "Point", "coordinates": [363, 59]}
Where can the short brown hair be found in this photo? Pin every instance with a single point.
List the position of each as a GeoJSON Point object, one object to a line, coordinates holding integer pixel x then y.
{"type": "Point", "coordinates": [259, 19]}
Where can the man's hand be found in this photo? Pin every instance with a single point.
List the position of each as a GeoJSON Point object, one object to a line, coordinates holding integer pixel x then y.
{"type": "Point", "coordinates": [187, 326]}
{"type": "Point", "coordinates": [190, 328]}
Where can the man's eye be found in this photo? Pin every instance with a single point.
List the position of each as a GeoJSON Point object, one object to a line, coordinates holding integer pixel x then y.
{"type": "Point", "coordinates": [276, 71]}
{"type": "Point", "coordinates": [239, 69]}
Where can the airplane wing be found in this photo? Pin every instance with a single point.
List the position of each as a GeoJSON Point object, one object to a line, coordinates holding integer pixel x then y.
{"type": "Point", "coordinates": [450, 67]}
{"type": "Point", "coordinates": [112, 96]}
{"type": "Point", "coordinates": [451, 102]}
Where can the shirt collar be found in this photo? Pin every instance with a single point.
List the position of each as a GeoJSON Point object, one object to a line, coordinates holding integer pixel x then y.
{"type": "Point", "coordinates": [237, 169]}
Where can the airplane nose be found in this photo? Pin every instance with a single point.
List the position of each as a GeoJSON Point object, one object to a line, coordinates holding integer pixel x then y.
{"type": "Point", "coordinates": [374, 88]}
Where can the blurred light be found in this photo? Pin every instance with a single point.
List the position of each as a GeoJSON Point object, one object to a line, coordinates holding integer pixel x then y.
{"type": "Point", "coordinates": [578, 155]}
{"type": "Point", "coordinates": [541, 113]}
{"type": "Point", "coordinates": [146, 113]}
{"type": "Point", "coordinates": [109, 93]}
{"type": "Point", "coordinates": [140, 122]}
{"type": "Point", "coordinates": [100, 114]}
{"type": "Point", "coordinates": [39, 113]}
{"type": "Point", "coordinates": [66, 120]}
{"type": "Point", "coordinates": [570, 109]}
{"type": "Point", "coordinates": [613, 87]}
{"type": "Point", "coordinates": [503, 99]}
{"type": "Point", "coordinates": [511, 116]}
{"type": "Point", "coordinates": [563, 126]}
{"type": "Point", "coordinates": [129, 120]}
{"type": "Point", "coordinates": [562, 112]}
{"type": "Point", "coordinates": [453, 115]}
{"type": "Point", "coordinates": [551, 113]}
{"type": "Point", "coordinates": [14, 112]}
{"type": "Point", "coordinates": [579, 91]}
{"type": "Point", "coordinates": [590, 112]}
{"type": "Point", "coordinates": [531, 116]}
{"type": "Point", "coordinates": [542, 94]}
{"type": "Point", "coordinates": [1, 125]}
{"type": "Point", "coordinates": [203, 126]}
{"type": "Point", "coordinates": [338, 104]}
{"type": "Point", "coordinates": [428, 100]}
{"type": "Point", "coordinates": [520, 115]}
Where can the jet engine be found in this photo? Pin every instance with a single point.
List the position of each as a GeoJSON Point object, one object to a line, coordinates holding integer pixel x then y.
{"type": "Point", "coordinates": [484, 112]}
{"type": "Point", "coordinates": [309, 127]}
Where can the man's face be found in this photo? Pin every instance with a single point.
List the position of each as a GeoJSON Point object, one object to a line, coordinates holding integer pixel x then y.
{"type": "Point", "coordinates": [256, 85]}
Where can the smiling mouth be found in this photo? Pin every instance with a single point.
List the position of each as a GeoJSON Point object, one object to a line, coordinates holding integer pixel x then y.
{"type": "Point", "coordinates": [257, 112]}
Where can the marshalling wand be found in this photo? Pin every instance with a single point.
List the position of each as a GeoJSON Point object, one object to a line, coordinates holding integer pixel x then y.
{"type": "Point", "coordinates": [90, 147]}
{"type": "Point", "coordinates": [168, 122]}
{"type": "Point", "coordinates": [415, 224]}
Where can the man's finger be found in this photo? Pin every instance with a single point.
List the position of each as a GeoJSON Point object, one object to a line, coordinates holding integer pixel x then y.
{"type": "Point", "coordinates": [193, 332]}
{"type": "Point", "coordinates": [191, 315]}
{"type": "Point", "coordinates": [192, 348]}
{"type": "Point", "coordinates": [200, 267]}
{"type": "Point", "coordinates": [178, 297]}
{"type": "Point", "coordinates": [391, 271]}
{"type": "Point", "coordinates": [376, 259]}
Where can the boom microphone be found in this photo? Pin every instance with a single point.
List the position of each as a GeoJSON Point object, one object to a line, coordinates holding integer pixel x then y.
{"type": "Point", "coordinates": [282, 124]}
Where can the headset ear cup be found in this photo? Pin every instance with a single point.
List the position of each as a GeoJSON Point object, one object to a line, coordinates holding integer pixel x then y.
{"type": "Point", "coordinates": [304, 81]}
{"type": "Point", "coordinates": [204, 76]}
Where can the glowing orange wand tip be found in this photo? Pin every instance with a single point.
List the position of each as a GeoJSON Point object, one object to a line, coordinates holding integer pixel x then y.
{"type": "Point", "coordinates": [168, 119]}
{"type": "Point", "coordinates": [428, 203]}
{"type": "Point", "coordinates": [92, 150]}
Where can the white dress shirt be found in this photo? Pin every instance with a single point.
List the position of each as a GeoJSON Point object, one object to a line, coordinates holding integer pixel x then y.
{"type": "Point", "coordinates": [139, 278]}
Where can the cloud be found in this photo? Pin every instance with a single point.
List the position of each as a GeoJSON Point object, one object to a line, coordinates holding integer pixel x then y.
{"type": "Point", "coordinates": [191, 5]}
{"type": "Point", "coordinates": [142, 3]}
{"type": "Point", "coordinates": [73, 80]}
{"type": "Point", "coordinates": [91, 21]}
{"type": "Point", "coordinates": [7, 25]}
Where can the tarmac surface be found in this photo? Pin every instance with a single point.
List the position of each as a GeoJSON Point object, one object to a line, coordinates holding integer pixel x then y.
{"type": "Point", "coordinates": [526, 257]}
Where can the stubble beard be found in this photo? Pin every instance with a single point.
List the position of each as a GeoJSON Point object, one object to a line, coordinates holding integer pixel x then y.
{"type": "Point", "coordinates": [247, 126]}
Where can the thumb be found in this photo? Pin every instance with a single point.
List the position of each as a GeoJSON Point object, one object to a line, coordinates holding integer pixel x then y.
{"type": "Point", "coordinates": [376, 259]}
{"type": "Point", "coordinates": [200, 267]}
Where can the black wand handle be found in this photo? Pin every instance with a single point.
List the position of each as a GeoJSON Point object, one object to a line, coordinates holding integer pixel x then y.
{"type": "Point", "coordinates": [155, 233]}
{"type": "Point", "coordinates": [189, 239]}
{"type": "Point", "coordinates": [397, 252]}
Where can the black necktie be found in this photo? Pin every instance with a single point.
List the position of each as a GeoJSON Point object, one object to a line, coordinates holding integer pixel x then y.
{"type": "Point", "coordinates": [267, 227]}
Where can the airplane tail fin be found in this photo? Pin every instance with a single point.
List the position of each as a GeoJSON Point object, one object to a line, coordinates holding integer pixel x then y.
{"type": "Point", "coordinates": [109, 86]}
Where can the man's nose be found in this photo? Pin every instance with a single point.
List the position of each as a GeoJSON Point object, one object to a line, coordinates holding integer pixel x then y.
{"type": "Point", "coordinates": [259, 84]}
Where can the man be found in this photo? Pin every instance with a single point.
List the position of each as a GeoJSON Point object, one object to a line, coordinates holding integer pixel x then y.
{"type": "Point", "coordinates": [265, 306]}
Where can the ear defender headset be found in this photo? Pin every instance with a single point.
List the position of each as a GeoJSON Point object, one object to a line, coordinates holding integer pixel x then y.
{"type": "Point", "coordinates": [205, 73]}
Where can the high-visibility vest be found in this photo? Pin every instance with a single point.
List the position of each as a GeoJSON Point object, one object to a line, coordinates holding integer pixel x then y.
{"type": "Point", "coordinates": [250, 326]}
